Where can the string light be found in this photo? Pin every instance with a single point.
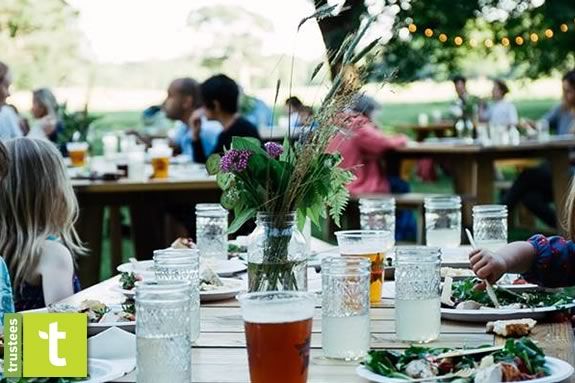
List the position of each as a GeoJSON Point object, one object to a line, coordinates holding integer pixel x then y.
{"type": "Point", "coordinates": [519, 40]}
{"type": "Point", "coordinates": [489, 43]}
{"type": "Point", "coordinates": [549, 33]}
{"type": "Point", "coordinates": [564, 28]}
{"type": "Point", "coordinates": [443, 37]}
{"type": "Point", "coordinates": [458, 40]}
{"type": "Point", "coordinates": [428, 32]}
{"type": "Point", "coordinates": [472, 43]}
{"type": "Point", "coordinates": [534, 37]}
{"type": "Point", "coordinates": [505, 42]}
{"type": "Point", "coordinates": [412, 28]}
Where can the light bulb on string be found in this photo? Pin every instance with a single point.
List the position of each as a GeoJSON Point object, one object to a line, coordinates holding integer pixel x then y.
{"type": "Point", "coordinates": [428, 32]}
{"type": "Point", "coordinates": [412, 28]}
{"type": "Point", "coordinates": [458, 40]}
{"type": "Point", "coordinates": [564, 28]}
{"type": "Point", "coordinates": [549, 33]}
{"type": "Point", "coordinates": [443, 37]}
{"type": "Point", "coordinates": [519, 40]}
{"type": "Point", "coordinates": [534, 37]}
{"type": "Point", "coordinates": [505, 42]}
{"type": "Point", "coordinates": [473, 43]}
{"type": "Point", "coordinates": [489, 43]}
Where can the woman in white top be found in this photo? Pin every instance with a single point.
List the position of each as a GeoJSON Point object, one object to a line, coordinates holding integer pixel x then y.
{"type": "Point", "coordinates": [500, 112]}
{"type": "Point", "coordinates": [9, 120]}
{"type": "Point", "coordinates": [45, 111]}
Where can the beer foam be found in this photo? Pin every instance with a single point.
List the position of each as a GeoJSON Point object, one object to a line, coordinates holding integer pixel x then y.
{"type": "Point", "coordinates": [278, 312]}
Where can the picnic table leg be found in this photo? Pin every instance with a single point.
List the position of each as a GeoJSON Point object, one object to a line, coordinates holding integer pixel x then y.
{"type": "Point", "coordinates": [89, 228]}
{"type": "Point", "coordinates": [560, 173]}
{"type": "Point", "coordinates": [464, 179]}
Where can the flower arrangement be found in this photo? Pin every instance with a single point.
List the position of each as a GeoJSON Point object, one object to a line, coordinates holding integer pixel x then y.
{"type": "Point", "coordinates": [297, 177]}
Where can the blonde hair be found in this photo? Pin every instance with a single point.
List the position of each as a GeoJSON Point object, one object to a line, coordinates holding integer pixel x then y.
{"type": "Point", "coordinates": [46, 98]}
{"type": "Point", "coordinates": [36, 202]}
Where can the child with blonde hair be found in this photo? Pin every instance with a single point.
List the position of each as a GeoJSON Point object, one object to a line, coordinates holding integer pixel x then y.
{"type": "Point", "coordinates": [6, 302]}
{"type": "Point", "coordinates": [38, 209]}
{"type": "Point", "coordinates": [546, 261]}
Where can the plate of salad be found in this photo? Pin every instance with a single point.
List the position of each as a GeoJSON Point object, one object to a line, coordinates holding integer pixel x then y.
{"type": "Point", "coordinates": [464, 301]}
{"type": "Point", "coordinates": [517, 361]}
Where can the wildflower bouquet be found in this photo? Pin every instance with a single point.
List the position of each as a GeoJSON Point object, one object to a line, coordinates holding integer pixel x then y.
{"type": "Point", "coordinates": [298, 178]}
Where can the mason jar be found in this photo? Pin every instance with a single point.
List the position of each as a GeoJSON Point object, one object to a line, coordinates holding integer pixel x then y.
{"type": "Point", "coordinates": [443, 221]}
{"type": "Point", "coordinates": [345, 307]}
{"type": "Point", "coordinates": [212, 230]}
{"type": "Point", "coordinates": [417, 293]}
{"type": "Point", "coordinates": [277, 255]}
{"type": "Point", "coordinates": [182, 265]}
{"type": "Point", "coordinates": [163, 344]}
{"type": "Point", "coordinates": [377, 214]}
{"type": "Point", "coordinates": [490, 226]}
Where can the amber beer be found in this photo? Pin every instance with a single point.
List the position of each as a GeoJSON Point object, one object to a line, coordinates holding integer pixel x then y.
{"type": "Point", "coordinates": [278, 334]}
{"type": "Point", "coordinates": [371, 244]}
{"type": "Point", "coordinates": [377, 270]}
{"type": "Point", "coordinates": [77, 151]}
{"type": "Point", "coordinates": [160, 157]}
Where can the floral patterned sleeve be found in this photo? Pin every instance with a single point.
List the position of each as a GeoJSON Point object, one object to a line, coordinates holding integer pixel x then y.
{"type": "Point", "coordinates": [554, 264]}
{"type": "Point", "coordinates": [6, 300]}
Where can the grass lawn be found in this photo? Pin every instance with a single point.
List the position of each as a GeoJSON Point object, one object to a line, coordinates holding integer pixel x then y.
{"type": "Point", "coordinates": [392, 114]}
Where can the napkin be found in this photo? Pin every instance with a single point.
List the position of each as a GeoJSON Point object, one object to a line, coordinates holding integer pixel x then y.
{"type": "Point", "coordinates": [116, 346]}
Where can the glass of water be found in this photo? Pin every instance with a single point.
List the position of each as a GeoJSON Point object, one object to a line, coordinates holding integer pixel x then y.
{"type": "Point", "coordinates": [417, 293]}
{"type": "Point", "coordinates": [163, 344]}
{"type": "Point", "coordinates": [212, 230]}
{"type": "Point", "coordinates": [443, 221]}
{"type": "Point", "coordinates": [345, 307]}
{"type": "Point", "coordinates": [182, 265]}
{"type": "Point", "coordinates": [490, 226]}
{"type": "Point", "coordinates": [377, 214]}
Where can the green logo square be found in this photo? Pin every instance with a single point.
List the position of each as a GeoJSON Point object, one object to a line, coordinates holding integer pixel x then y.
{"type": "Point", "coordinates": [55, 345]}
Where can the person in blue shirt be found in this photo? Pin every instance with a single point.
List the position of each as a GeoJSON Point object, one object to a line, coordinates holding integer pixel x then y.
{"type": "Point", "coordinates": [182, 100]}
{"type": "Point", "coordinates": [6, 300]}
{"type": "Point", "coordinates": [256, 111]}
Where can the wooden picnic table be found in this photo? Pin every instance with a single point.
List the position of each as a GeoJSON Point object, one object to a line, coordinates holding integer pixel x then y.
{"type": "Point", "coordinates": [148, 201]}
{"type": "Point", "coordinates": [220, 355]}
{"type": "Point", "coordinates": [473, 165]}
{"type": "Point", "coordinates": [438, 129]}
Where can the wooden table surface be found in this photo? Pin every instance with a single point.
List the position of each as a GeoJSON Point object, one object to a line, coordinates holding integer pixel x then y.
{"type": "Point", "coordinates": [219, 355]}
{"type": "Point", "coordinates": [473, 166]}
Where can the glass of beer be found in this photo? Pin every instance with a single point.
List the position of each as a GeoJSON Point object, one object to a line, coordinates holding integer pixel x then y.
{"type": "Point", "coordinates": [278, 335]}
{"type": "Point", "coordinates": [372, 244]}
{"type": "Point", "coordinates": [78, 151]}
{"type": "Point", "coordinates": [160, 156]}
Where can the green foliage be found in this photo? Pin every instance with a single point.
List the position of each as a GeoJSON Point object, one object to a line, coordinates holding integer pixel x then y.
{"type": "Point", "coordinates": [38, 40]}
{"type": "Point", "coordinates": [76, 124]}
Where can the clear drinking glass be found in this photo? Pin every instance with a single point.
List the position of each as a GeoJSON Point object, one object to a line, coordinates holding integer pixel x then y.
{"type": "Point", "coordinates": [490, 226]}
{"type": "Point", "coordinates": [372, 244]}
{"type": "Point", "coordinates": [278, 335]}
{"type": "Point", "coordinates": [212, 230]}
{"type": "Point", "coordinates": [182, 265]}
{"type": "Point", "coordinates": [443, 221]}
{"type": "Point", "coordinates": [163, 344]}
{"type": "Point", "coordinates": [345, 307]}
{"type": "Point", "coordinates": [417, 293]}
{"type": "Point", "coordinates": [377, 214]}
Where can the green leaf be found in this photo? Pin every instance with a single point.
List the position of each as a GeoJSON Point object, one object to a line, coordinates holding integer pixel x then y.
{"type": "Point", "coordinates": [230, 199]}
{"type": "Point", "coordinates": [225, 180]}
{"type": "Point", "coordinates": [316, 70]}
{"type": "Point", "coordinates": [213, 164]}
{"type": "Point", "coordinates": [248, 143]}
{"type": "Point", "coordinates": [241, 218]}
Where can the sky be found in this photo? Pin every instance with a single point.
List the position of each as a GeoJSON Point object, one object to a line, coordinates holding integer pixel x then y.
{"type": "Point", "coordinates": [120, 31]}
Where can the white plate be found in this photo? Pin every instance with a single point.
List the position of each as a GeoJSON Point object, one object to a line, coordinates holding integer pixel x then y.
{"type": "Point", "coordinates": [101, 371]}
{"type": "Point", "coordinates": [230, 289]}
{"type": "Point", "coordinates": [96, 328]}
{"type": "Point", "coordinates": [559, 371]}
{"type": "Point", "coordinates": [493, 314]}
{"type": "Point", "coordinates": [127, 293]}
{"type": "Point", "coordinates": [224, 268]}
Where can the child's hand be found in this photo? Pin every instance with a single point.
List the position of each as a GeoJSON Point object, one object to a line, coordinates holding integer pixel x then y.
{"type": "Point", "coordinates": [487, 265]}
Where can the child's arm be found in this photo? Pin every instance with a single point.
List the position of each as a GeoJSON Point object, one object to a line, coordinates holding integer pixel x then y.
{"type": "Point", "coordinates": [515, 257]}
{"type": "Point", "coordinates": [57, 269]}
{"type": "Point", "coordinates": [544, 261]}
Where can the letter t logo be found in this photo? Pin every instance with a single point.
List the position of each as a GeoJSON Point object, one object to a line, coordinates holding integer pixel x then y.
{"type": "Point", "coordinates": [53, 337]}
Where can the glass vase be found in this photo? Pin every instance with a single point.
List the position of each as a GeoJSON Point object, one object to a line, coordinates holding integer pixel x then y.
{"type": "Point", "coordinates": [277, 256]}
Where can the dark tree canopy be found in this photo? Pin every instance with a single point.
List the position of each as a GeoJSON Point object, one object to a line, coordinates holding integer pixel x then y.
{"type": "Point", "coordinates": [536, 37]}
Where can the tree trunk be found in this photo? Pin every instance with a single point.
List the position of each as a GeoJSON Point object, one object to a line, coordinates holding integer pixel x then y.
{"type": "Point", "coordinates": [335, 29]}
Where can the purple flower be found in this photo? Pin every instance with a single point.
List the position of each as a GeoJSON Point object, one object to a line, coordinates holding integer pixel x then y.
{"type": "Point", "coordinates": [273, 149]}
{"type": "Point", "coordinates": [235, 160]}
